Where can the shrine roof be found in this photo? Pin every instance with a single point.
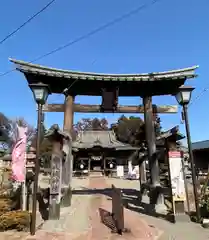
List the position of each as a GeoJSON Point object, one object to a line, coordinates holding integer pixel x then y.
{"type": "Point", "coordinates": [172, 134]}
{"type": "Point", "coordinates": [103, 139]}
{"type": "Point", "coordinates": [86, 83]}
{"type": "Point", "coordinates": [201, 145]}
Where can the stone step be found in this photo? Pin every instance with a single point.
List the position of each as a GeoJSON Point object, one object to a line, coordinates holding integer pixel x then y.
{"type": "Point", "coordinates": [95, 174]}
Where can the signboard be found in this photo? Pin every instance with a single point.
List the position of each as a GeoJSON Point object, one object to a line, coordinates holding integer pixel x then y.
{"type": "Point", "coordinates": [177, 175]}
{"type": "Point", "coordinates": [120, 171]}
{"type": "Point", "coordinates": [55, 184]}
{"type": "Point", "coordinates": [96, 158]}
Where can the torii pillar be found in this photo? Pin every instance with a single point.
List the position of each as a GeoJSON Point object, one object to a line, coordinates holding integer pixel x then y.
{"type": "Point", "coordinates": [156, 195]}
{"type": "Point", "coordinates": [68, 114]}
{"type": "Point", "coordinates": [67, 148]}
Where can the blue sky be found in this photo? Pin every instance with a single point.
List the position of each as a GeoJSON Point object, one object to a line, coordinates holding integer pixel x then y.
{"type": "Point", "coordinates": [165, 36]}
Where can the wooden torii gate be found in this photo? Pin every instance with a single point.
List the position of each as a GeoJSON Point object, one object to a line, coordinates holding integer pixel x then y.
{"type": "Point", "coordinates": [110, 87]}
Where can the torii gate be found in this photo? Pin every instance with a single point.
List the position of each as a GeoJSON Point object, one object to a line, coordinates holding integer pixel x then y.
{"type": "Point", "coordinates": [110, 87]}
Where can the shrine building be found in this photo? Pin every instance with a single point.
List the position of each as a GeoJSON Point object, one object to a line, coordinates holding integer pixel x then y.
{"type": "Point", "coordinates": [100, 151]}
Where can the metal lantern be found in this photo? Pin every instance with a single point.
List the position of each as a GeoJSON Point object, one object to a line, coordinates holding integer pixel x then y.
{"type": "Point", "coordinates": [40, 92]}
{"type": "Point", "coordinates": [184, 95]}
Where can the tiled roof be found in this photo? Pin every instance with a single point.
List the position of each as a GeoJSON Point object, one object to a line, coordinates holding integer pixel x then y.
{"type": "Point", "coordinates": [200, 145]}
{"type": "Point", "coordinates": [53, 72]}
{"type": "Point", "coordinates": [104, 139]}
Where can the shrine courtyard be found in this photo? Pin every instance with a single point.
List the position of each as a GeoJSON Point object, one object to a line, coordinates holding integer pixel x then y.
{"type": "Point", "coordinates": [82, 220]}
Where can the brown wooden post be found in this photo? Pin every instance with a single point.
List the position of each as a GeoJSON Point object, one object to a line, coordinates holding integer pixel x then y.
{"type": "Point", "coordinates": [156, 199]}
{"type": "Point", "coordinates": [151, 141]}
{"type": "Point", "coordinates": [67, 127]}
{"type": "Point", "coordinates": [68, 114]}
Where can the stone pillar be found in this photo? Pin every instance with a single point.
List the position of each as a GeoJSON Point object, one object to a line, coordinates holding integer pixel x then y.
{"type": "Point", "coordinates": [56, 177]}
{"type": "Point", "coordinates": [68, 170]}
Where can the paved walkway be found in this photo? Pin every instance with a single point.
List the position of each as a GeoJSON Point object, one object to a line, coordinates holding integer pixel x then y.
{"type": "Point", "coordinates": [82, 220]}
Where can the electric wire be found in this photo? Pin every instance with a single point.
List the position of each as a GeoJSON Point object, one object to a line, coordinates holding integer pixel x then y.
{"type": "Point", "coordinates": [26, 22]}
{"type": "Point", "coordinates": [198, 96]}
{"type": "Point", "coordinates": [89, 34]}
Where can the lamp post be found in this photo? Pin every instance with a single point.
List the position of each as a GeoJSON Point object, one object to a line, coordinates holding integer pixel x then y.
{"type": "Point", "coordinates": [183, 97]}
{"type": "Point", "coordinates": [40, 94]}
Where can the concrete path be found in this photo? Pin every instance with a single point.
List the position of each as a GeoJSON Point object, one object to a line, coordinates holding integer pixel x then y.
{"type": "Point", "coordinates": [170, 231]}
{"type": "Point", "coordinates": [82, 221]}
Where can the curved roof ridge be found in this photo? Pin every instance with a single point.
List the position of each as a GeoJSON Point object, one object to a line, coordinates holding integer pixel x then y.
{"type": "Point", "coordinates": [45, 68]}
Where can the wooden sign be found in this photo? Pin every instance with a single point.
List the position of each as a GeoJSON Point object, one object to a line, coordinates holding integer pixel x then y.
{"type": "Point", "coordinates": [176, 173]}
{"type": "Point", "coordinates": [177, 183]}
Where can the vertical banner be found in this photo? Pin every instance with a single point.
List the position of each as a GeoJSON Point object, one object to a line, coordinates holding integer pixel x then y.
{"type": "Point", "coordinates": [176, 174]}
{"type": "Point", "coordinates": [19, 161]}
{"type": "Point", "coordinates": [19, 156]}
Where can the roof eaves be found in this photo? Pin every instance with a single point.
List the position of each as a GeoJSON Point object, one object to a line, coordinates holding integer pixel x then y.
{"type": "Point", "coordinates": [42, 70]}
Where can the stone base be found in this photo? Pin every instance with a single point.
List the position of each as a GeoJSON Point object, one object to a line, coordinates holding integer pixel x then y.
{"type": "Point", "coordinates": [154, 200]}
{"type": "Point", "coordinates": [160, 206]}
{"type": "Point", "coordinates": [145, 198]}
{"type": "Point", "coordinates": [66, 196]}
{"type": "Point", "coordinates": [182, 218]}
{"type": "Point", "coordinates": [54, 208]}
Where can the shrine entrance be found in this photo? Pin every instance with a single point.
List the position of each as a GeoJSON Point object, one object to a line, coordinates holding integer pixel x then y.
{"type": "Point", "coordinates": [99, 151]}
{"type": "Point", "coordinates": [110, 87]}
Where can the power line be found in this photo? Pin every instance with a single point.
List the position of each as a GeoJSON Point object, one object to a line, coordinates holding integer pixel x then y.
{"type": "Point", "coordinates": [199, 96]}
{"type": "Point", "coordinates": [26, 22]}
{"type": "Point", "coordinates": [99, 29]}
{"type": "Point", "coordinates": [89, 34]}
{"type": "Point", "coordinates": [193, 101]}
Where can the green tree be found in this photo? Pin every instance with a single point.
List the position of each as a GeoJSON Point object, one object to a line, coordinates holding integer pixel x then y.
{"type": "Point", "coordinates": [132, 129]}
{"type": "Point", "coordinates": [129, 130]}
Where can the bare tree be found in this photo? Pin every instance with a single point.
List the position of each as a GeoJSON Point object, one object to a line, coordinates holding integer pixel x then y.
{"type": "Point", "coordinates": [9, 131]}
{"type": "Point", "coordinates": [21, 122]}
{"type": "Point", "coordinates": [5, 128]}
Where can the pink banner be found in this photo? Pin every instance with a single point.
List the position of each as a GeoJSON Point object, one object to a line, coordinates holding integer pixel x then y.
{"type": "Point", "coordinates": [19, 156]}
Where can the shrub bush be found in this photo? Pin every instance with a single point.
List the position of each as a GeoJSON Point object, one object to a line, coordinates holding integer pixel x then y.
{"type": "Point", "coordinates": [5, 205]}
{"type": "Point", "coordinates": [19, 220]}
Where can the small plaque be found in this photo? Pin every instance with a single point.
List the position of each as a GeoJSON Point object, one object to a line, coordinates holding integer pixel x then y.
{"type": "Point", "coordinates": [55, 185]}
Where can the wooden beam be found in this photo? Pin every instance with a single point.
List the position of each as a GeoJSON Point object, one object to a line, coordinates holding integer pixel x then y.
{"type": "Point", "coordinates": [121, 109]}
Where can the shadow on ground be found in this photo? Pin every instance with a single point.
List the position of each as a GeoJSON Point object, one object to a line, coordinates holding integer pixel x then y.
{"type": "Point", "coordinates": [131, 201]}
